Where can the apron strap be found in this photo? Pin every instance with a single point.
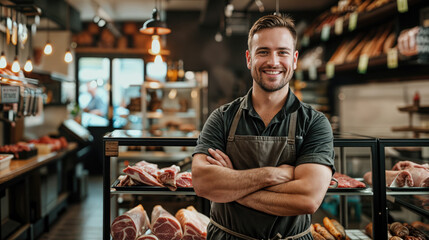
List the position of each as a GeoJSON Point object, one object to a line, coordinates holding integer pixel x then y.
{"type": "Point", "coordinates": [292, 128]}
{"type": "Point", "coordinates": [278, 236]}
{"type": "Point", "coordinates": [234, 124]}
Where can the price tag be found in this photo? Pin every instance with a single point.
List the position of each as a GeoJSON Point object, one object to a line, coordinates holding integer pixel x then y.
{"type": "Point", "coordinates": [339, 26]}
{"type": "Point", "coordinates": [363, 63]}
{"type": "Point", "coordinates": [299, 75]}
{"type": "Point", "coordinates": [305, 41]}
{"type": "Point", "coordinates": [330, 69]}
{"type": "Point", "coordinates": [353, 21]}
{"type": "Point", "coordinates": [392, 58]}
{"type": "Point", "coordinates": [326, 31]}
{"type": "Point", "coordinates": [312, 72]}
{"type": "Point", "coordinates": [9, 94]}
{"type": "Point", "coordinates": [402, 6]}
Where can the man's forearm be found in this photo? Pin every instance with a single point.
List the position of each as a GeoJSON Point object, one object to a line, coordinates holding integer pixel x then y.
{"type": "Point", "coordinates": [221, 184]}
{"type": "Point", "coordinates": [301, 196]}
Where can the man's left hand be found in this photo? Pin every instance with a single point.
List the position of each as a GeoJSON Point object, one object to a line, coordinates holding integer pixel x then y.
{"type": "Point", "coordinates": [219, 158]}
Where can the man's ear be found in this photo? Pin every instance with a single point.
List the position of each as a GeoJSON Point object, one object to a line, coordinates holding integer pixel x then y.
{"type": "Point", "coordinates": [248, 59]}
{"type": "Point", "coordinates": [295, 60]}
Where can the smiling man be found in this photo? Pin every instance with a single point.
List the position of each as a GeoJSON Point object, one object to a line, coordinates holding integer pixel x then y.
{"type": "Point", "coordinates": [265, 160]}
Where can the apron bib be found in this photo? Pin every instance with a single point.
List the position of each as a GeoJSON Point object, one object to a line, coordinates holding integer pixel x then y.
{"type": "Point", "coordinates": [247, 152]}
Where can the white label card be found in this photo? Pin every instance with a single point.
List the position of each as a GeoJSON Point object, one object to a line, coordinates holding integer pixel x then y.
{"type": "Point", "coordinates": [353, 21]}
{"type": "Point", "coordinates": [9, 94]}
{"type": "Point", "coordinates": [363, 63]}
{"type": "Point", "coordinates": [392, 58]}
{"type": "Point", "coordinates": [339, 26]}
{"type": "Point", "coordinates": [326, 31]}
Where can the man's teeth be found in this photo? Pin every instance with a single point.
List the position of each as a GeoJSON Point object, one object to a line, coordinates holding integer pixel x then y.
{"type": "Point", "coordinates": [272, 72]}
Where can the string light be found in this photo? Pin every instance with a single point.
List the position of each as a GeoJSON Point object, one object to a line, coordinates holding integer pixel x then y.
{"type": "Point", "coordinates": [15, 66]}
{"type": "Point", "coordinates": [68, 57]}
{"type": "Point", "coordinates": [48, 48]}
{"type": "Point", "coordinates": [28, 67]}
{"type": "Point", "coordinates": [158, 59]}
{"type": "Point", "coordinates": [3, 62]}
{"type": "Point", "coordinates": [156, 45]}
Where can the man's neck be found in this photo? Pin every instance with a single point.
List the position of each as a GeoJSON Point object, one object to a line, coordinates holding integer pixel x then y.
{"type": "Point", "coordinates": [268, 104]}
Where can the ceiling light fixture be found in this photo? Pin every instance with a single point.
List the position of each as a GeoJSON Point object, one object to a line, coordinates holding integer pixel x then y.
{"type": "Point", "coordinates": [28, 67]}
{"type": "Point", "coordinates": [48, 47]}
{"type": "Point", "coordinates": [155, 26]}
{"type": "Point", "coordinates": [3, 62]}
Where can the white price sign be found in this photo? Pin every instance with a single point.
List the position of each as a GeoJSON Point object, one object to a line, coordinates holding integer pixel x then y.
{"type": "Point", "coordinates": [9, 94]}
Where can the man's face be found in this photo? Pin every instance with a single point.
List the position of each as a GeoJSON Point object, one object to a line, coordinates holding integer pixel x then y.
{"type": "Point", "coordinates": [272, 58]}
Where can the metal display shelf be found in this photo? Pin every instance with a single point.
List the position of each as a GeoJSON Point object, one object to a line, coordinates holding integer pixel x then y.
{"type": "Point", "coordinates": [399, 196]}
{"type": "Point", "coordinates": [111, 143]}
{"type": "Point", "coordinates": [412, 203]}
{"type": "Point", "coordinates": [20, 79]}
{"type": "Point", "coordinates": [349, 140]}
{"type": "Point", "coordinates": [378, 191]}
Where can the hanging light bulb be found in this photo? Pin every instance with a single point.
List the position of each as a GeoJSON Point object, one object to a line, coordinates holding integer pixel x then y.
{"type": "Point", "coordinates": [68, 57]}
{"type": "Point", "coordinates": [156, 45]}
{"type": "Point", "coordinates": [3, 62]}
{"type": "Point", "coordinates": [15, 66]}
{"type": "Point", "coordinates": [48, 48]}
{"type": "Point", "coordinates": [158, 59]}
{"type": "Point", "coordinates": [28, 67]}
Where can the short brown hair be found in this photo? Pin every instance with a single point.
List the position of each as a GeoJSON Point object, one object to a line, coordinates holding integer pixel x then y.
{"type": "Point", "coordinates": [272, 21]}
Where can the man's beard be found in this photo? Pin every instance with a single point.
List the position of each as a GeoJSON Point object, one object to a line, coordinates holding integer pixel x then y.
{"type": "Point", "coordinates": [281, 85]}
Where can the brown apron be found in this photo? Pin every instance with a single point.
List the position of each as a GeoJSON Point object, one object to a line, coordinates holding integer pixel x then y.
{"type": "Point", "coordinates": [235, 221]}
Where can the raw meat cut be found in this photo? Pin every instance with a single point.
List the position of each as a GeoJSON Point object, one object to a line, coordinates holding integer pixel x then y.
{"type": "Point", "coordinates": [130, 224]}
{"type": "Point", "coordinates": [405, 173]}
{"type": "Point", "coordinates": [167, 176]}
{"type": "Point", "coordinates": [164, 225]}
{"type": "Point", "coordinates": [345, 181]}
{"type": "Point", "coordinates": [193, 224]}
{"type": "Point", "coordinates": [147, 237]}
{"type": "Point", "coordinates": [124, 180]}
{"type": "Point", "coordinates": [150, 168]}
{"type": "Point", "coordinates": [140, 175]}
{"type": "Point", "coordinates": [184, 179]}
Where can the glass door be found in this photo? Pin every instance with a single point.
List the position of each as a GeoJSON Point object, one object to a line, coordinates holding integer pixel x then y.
{"type": "Point", "coordinates": [93, 75]}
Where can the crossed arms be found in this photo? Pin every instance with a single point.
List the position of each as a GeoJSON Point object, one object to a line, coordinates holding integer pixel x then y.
{"type": "Point", "coordinates": [281, 191]}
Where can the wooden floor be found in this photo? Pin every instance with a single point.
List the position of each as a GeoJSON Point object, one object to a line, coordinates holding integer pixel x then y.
{"type": "Point", "coordinates": [81, 220]}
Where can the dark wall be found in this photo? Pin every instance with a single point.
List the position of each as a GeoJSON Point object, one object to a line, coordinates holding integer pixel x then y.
{"type": "Point", "coordinates": [225, 61]}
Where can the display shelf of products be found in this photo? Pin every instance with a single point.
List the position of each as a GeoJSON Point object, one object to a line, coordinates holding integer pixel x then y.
{"type": "Point", "coordinates": [418, 204]}
{"type": "Point", "coordinates": [117, 138]}
{"type": "Point", "coordinates": [411, 198]}
{"type": "Point", "coordinates": [411, 110]}
{"type": "Point", "coordinates": [365, 19]}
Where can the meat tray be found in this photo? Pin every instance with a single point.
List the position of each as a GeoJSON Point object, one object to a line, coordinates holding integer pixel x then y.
{"type": "Point", "coordinates": [143, 188]}
{"type": "Point", "coordinates": [408, 189]}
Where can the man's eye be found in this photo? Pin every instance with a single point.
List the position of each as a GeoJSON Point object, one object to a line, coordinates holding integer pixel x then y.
{"type": "Point", "coordinates": [263, 52]}
{"type": "Point", "coordinates": [283, 53]}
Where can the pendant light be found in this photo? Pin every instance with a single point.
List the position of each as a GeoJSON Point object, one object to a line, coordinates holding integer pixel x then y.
{"type": "Point", "coordinates": [155, 27]}
{"type": "Point", "coordinates": [15, 65]}
{"type": "Point", "coordinates": [68, 56]}
{"type": "Point", "coordinates": [28, 67]}
{"type": "Point", "coordinates": [3, 62]}
{"type": "Point", "coordinates": [48, 47]}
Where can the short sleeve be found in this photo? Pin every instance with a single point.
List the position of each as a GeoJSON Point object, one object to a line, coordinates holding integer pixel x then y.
{"type": "Point", "coordinates": [318, 143]}
{"type": "Point", "coordinates": [212, 135]}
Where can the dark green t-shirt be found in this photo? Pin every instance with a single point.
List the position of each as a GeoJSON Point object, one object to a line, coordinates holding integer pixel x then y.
{"type": "Point", "coordinates": [314, 138]}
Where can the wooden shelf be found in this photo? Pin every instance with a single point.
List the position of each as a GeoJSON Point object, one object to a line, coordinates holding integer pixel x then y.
{"type": "Point", "coordinates": [127, 51]}
{"type": "Point", "coordinates": [365, 20]}
{"type": "Point", "coordinates": [415, 109]}
{"type": "Point", "coordinates": [411, 129]}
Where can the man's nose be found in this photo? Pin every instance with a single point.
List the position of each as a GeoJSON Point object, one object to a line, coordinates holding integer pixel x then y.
{"type": "Point", "coordinates": [273, 59]}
